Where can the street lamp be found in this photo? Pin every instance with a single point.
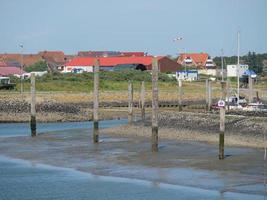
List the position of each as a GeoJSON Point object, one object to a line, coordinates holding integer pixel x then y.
{"type": "Point", "coordinates": [21, 68]}
{"type": "Point", "coordinates": [177, 39]}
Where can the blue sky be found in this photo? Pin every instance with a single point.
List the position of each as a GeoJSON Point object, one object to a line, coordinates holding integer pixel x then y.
{"type": "Point", "coordinates": [136, 25]}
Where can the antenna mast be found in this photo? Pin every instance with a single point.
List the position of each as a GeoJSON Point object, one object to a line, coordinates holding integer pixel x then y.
{"type": "Point", "coordinates": [238, 64]}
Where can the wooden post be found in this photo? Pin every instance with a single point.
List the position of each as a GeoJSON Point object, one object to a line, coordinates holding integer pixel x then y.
{"type": "Point", "coordinates": [154, 139]}
{"type": "Point", "coordinates": [130, 102]}
{"type": "Point", "coordinates": [223, 90]}
{"type": "Point", "coordinates": [210, 95]}
{"type": "Point", "coordinates": [207, 94]}
{"type": "Point", "coordinates": [142, 100]}
{"type": "Point", "coordinates": [228, 94]}
{"type": "Point", "coordinates": [250, 85]}
{"type": "Point", "coordinates": [96, 102]}
{"type": "Point", "coordinates": [222, 130]}
{"type": "Point", "coordinates": [180, 94]}
{"type": "Point", "coordinates": [222, 122]}
{"type": "Point", "coordinates": [33, 106]}
{"type": "Point", "coordinates": [257, 96]}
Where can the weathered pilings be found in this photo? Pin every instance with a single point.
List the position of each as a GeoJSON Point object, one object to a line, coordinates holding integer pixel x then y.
{"type": "Point", "coordinates": [180, 94]}
{"type": "Point", "coordinates": [207, 94]}
{"type": "Point", "coordinates": [223, 90]}
{"type": "Point", "coordinates": [221, 136]}
{"type": "Point", "coordinates": [142, 100]}
{"type": "Point", "coordinates": [96, 102]}
{"type": "Point", "coordinates": [250, 86]}
{"type": "Point", "coordinates": [210, 95]}
{"type": "Point", "coordinates": [154, 138]}
{"type": "Point", "coordinates": [33, 106]}
{"type": "Point", "coordinates": [130, 102]}
{"type": "Point", "coordinates": [222, 122]}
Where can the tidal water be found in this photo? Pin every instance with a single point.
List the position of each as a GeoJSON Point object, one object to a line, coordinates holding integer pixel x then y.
{"type": "Point", "coordinates": [23, 129]}
{"type": "Point", "coordinates": [29, 181]}
{"type": "Point", "coordinates": [25, 180]}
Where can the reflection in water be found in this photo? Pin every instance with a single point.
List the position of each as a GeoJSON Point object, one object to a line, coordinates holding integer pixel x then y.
{"type": "Point", "coordinates": [29, 182]}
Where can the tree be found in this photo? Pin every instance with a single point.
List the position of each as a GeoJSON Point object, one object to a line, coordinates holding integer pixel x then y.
{"type": "Point", "coordinates": [39, 66]}
{"type": "Point", "coordinates": [253, 60]}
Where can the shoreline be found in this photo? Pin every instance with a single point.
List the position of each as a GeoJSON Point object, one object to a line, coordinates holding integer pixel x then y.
{"type": "Point", "coordinates": [189, 126]}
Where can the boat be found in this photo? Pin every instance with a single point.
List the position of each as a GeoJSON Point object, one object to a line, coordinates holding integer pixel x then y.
{"type": "Point", "coordinates": [257, 106]}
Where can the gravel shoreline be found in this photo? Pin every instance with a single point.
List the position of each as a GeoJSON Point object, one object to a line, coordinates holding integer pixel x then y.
{"type": "Point", "coordinates": [240, 130]}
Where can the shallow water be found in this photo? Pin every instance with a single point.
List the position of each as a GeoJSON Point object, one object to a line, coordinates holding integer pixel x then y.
{"type": "Point", "coordinates": [28, 180]}
{"type": "Point", "coordinates": [23, 129]}
{"type": "Point", "coordinates": [24, 180]}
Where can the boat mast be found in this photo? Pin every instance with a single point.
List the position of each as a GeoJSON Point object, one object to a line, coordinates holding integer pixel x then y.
{"type": "Point", "coordinates": [238, 64]}
{"type": "Point", "coordinates": [222, 63]}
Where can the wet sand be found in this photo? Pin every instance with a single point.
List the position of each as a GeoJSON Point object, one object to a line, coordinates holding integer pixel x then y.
{"type": "Point", "coordinates": [30, 180]}
{"type": "Point", "coordinates": [183, 163]}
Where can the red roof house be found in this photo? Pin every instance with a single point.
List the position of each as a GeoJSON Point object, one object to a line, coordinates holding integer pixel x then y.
{"type": "Point", "coordinates": [197, 60]}
{"type": "Point", "coordinates": [165, 63]}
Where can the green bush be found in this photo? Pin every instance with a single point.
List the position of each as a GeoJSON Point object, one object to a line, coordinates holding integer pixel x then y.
{"type": "Point", "coordinates": [39, 66]}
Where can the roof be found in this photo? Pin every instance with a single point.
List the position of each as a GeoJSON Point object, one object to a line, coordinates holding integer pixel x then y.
{"type": "Point", "coordinates": [198, 58]}
{"type": "Point", "coordinates": [2, 64]}
{"type": "Point", "coordinates": [13, 63]}
{"type": "Point", "coordinates": [98, 53]}
{"type": "Point", "coordinates": [111, 61]}
{"type": "Point", "coordinates": [53, 56]}
{"type": "Point", "coordinates": [138, 54]}
{"type": "Point", "coordinates": [109, 53]}
{"type": "Point", "coordinates": [28, 59]}
{"type": "Point", "coordinates": [6, 71]}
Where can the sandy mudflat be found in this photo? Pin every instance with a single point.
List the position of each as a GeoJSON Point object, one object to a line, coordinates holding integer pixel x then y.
{"type": "Point", "coordinates": [185, 163]}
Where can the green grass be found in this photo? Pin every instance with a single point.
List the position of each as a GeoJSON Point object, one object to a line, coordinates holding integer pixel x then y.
{"type": "Point", "coordinates": [84, 82]}
{"type": "Point", "coordinates": [118, 81]}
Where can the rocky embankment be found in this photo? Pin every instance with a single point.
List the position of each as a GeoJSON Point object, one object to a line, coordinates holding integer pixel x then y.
{"type": "Point", "coordinates": [47, 106]}
{"type": "Point", "coordinates": [210, 123]}
{"type": "Point", "coordinates": [50, 111]}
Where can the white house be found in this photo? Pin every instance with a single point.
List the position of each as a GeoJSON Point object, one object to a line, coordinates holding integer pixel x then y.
{"type": "Point", "coordinates": [232, 70]}
{"type": "Point", "coordinates": [189, 75]}
{"type": "Point", "coordinates": [69, 69]}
